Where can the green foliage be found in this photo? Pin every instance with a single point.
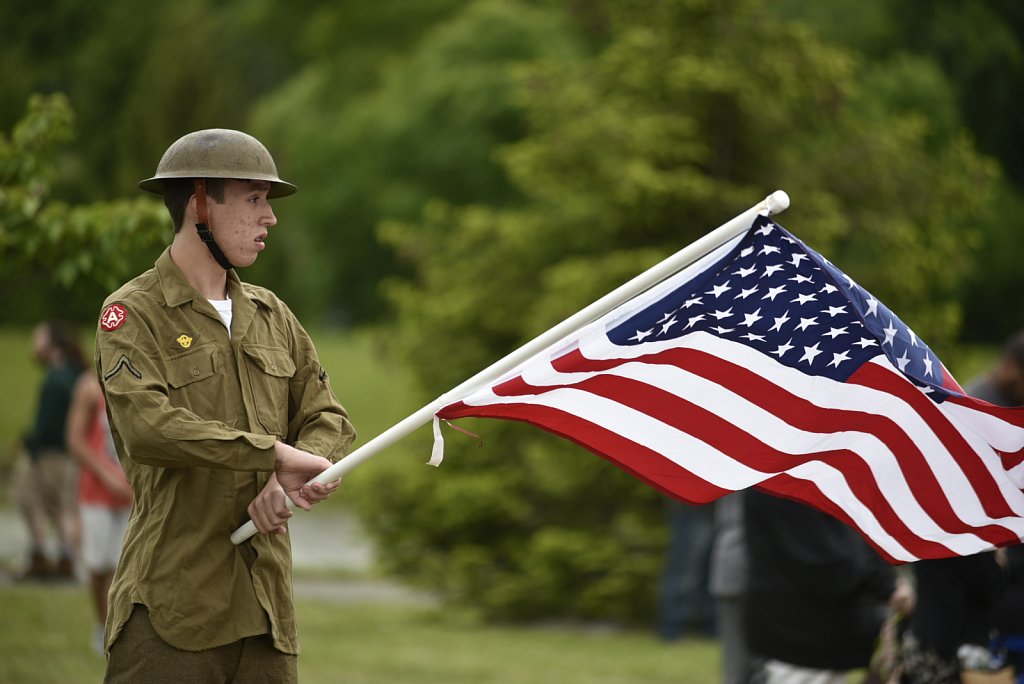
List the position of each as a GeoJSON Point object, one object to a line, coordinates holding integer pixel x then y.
{"type": "Point", "coordinates": [920, 55]}
{"type": "Point", "coordinates": [520, 529]}
{"type": "Point", "coordinates": [374, 109]}
{"type": "Point", "coordinates": [996, 280]}
{"type": "Point", "coordinates": [986, 63]}
{"type": "Point", "coordinates": [426, 128]}
{"type": "Point", "coordinates": [691, 113]}
{"type": "Point", "coordinates": [70, 254]}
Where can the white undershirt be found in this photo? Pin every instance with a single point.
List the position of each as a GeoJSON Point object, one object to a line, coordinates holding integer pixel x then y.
{"type": "Point", "coordinates": [223, 307]}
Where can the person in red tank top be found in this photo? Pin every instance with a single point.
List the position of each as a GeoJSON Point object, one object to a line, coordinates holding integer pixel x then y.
{"type": "Point", "coordinates": [104, 496]}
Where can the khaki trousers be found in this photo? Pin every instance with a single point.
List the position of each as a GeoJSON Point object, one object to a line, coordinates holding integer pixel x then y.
{"type": "Point", "coordinates": [140, 655]}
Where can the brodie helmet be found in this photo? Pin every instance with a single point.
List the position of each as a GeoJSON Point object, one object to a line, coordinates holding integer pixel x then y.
{"type": "Point", "coordinates": [218, 153]}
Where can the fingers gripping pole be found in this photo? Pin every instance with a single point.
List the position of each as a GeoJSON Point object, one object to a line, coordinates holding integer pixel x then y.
{"type": "Point", "coordinates": [774, 203]}
{"type": "Point", "coordinates": [364, 453]}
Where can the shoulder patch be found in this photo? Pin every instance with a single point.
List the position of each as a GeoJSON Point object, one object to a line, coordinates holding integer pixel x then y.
{"type": "Point", "coordinates": [113, 317]}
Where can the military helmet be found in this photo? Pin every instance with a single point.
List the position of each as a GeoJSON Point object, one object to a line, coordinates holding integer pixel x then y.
{"type": "Point", "coordinates": [218, 153]}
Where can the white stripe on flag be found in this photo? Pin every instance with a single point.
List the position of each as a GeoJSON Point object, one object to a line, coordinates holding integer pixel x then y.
{"type": "Point", "coordinates": [721, 470]}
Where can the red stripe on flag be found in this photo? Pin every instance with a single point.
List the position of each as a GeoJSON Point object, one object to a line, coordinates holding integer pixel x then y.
{"type": "Point", "coordinates": [743, 447]}
{"type": "Point", "coordinates": [696, 421]}
{"type": "Point", "coordinates": [981, 480]}
{"type": "Point", "coordinates": [637, 460]}
{"type": "Point", "coordinates": [806, 491]}
{"type": "Point", "coordinates": [807, 416]}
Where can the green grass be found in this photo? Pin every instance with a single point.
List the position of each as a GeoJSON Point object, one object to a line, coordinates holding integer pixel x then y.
{"type": "Point", "coordinates": [44, 639]}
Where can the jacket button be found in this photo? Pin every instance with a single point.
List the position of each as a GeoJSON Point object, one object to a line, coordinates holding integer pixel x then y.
{"type": "Point", "coordinates": [195, 372]}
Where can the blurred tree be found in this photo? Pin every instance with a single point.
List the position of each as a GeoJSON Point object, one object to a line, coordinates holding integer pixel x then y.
{"type": "Point", "coordinates": [140, 77]}
{"type": "Point", "coordinates": [980, 46]}
{"type": "Point", "coordinates": [58, 259]}
{"type": "Point", "coordinates": [137, 78]}
{"type": "Point", "coordinates": [693, 111]}
{"type": "Point", "coordinates": [977, 48]}
{"type": "Point", "coordinates": [345, 85]}
{"type": "Point", "coordinates": [426, 129]}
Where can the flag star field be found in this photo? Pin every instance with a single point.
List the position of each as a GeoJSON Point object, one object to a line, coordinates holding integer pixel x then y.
{"type": "Point", "coordinates": [784, 299]}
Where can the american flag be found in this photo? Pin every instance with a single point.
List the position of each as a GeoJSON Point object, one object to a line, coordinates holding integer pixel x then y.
{"type": "Point", "coordinates": [763, 365]}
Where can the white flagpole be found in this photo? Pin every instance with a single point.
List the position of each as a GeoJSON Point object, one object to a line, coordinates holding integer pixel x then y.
{"type": "Point", "coordinates": [774, 203]}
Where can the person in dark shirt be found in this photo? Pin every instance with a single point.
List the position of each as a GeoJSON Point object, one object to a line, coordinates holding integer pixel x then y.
{"type": "Point", "coordinates": [961, 600]}
{"type": "Point", "coordinates": [1003, 384]}
{"type": "Point", "coordinates": [955, 597]}
{"type": "Point", "coordinates": [684, 601]}
{"type": "Point", "coordinates": [817, 593]}
{"type": "Point", "coordinates": [45, 486]}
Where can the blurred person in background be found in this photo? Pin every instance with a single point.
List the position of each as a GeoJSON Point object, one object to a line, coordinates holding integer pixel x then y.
{"type": "Point", "coordinates": [684, 602]}
{"type": "Point", "coordinates": [950, 628]}
{"type": "Point", "coordinates": [1008, 613]}
{"type": "Point", "coordinates": [728, 586]}
{"type": "Point", "coordinates": [104, 496]}
{"type": "Point", "coordinates": [1003, 383]}
{"type": "Point", "coordinates": [45, 484]}
{"type": "Point", "coordinates": [817, 593]}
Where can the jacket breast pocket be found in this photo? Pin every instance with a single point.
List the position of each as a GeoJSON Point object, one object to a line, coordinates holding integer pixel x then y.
{"type": "Point", "coordinates": [186, 374]}
{"type": "Point", "coordinates": [269, 371]}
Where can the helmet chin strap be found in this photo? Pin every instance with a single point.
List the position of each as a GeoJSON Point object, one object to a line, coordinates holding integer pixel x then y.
{"type": "Point", "coordinates": [199, 185]}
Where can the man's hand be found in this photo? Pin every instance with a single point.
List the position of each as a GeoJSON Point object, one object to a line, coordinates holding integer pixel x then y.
{"type": "Point", "coordinates": [293, 469]}
{"type": "Point", "coordinates": [269, 510]}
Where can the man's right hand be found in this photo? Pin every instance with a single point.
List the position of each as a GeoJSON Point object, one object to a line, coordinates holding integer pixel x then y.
{"type": "Point", "coordinates": [294, 468]}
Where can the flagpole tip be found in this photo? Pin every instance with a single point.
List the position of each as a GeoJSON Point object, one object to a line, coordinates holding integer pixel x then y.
{"type": "Point", "coordinates": [777, 202]}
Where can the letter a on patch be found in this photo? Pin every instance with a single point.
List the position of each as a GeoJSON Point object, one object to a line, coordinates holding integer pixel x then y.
{"type": "Point", "coordinates": [113, 317]}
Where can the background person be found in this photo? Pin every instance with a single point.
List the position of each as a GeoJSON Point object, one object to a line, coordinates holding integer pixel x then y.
{"type": "Point", "coordinates": [1003, 383]}
{"type": "Point", "coordinates": [104, 495]}
{"type": "Point", "coordinates": [45, 485]}
{"type": "Point", "coordinates": [220, 410]}
{"type": "Point", "coordinates": [817, 593]}
{"type": "Point", "coordinates": [728, 585]}
{"type": "Point", "coordinates": [684, 601]}
{"type": "Point", "coordinates": [951, 625]}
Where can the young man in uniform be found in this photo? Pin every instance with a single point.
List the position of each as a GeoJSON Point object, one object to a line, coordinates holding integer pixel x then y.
{"type": "Point", "coordinates": [220, 411]}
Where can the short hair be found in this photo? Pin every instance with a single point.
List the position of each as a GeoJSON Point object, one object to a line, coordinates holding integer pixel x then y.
{"type": "Point", "coordinates": [1014, 349]}
{"type": "Point", "coordinates": [64, 336]}
{"type": "Point", "coordinates": [178, 191]}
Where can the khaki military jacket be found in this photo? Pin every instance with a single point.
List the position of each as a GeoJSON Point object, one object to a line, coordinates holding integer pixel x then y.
{"type": "Point", "coordinates": [195, 415]}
